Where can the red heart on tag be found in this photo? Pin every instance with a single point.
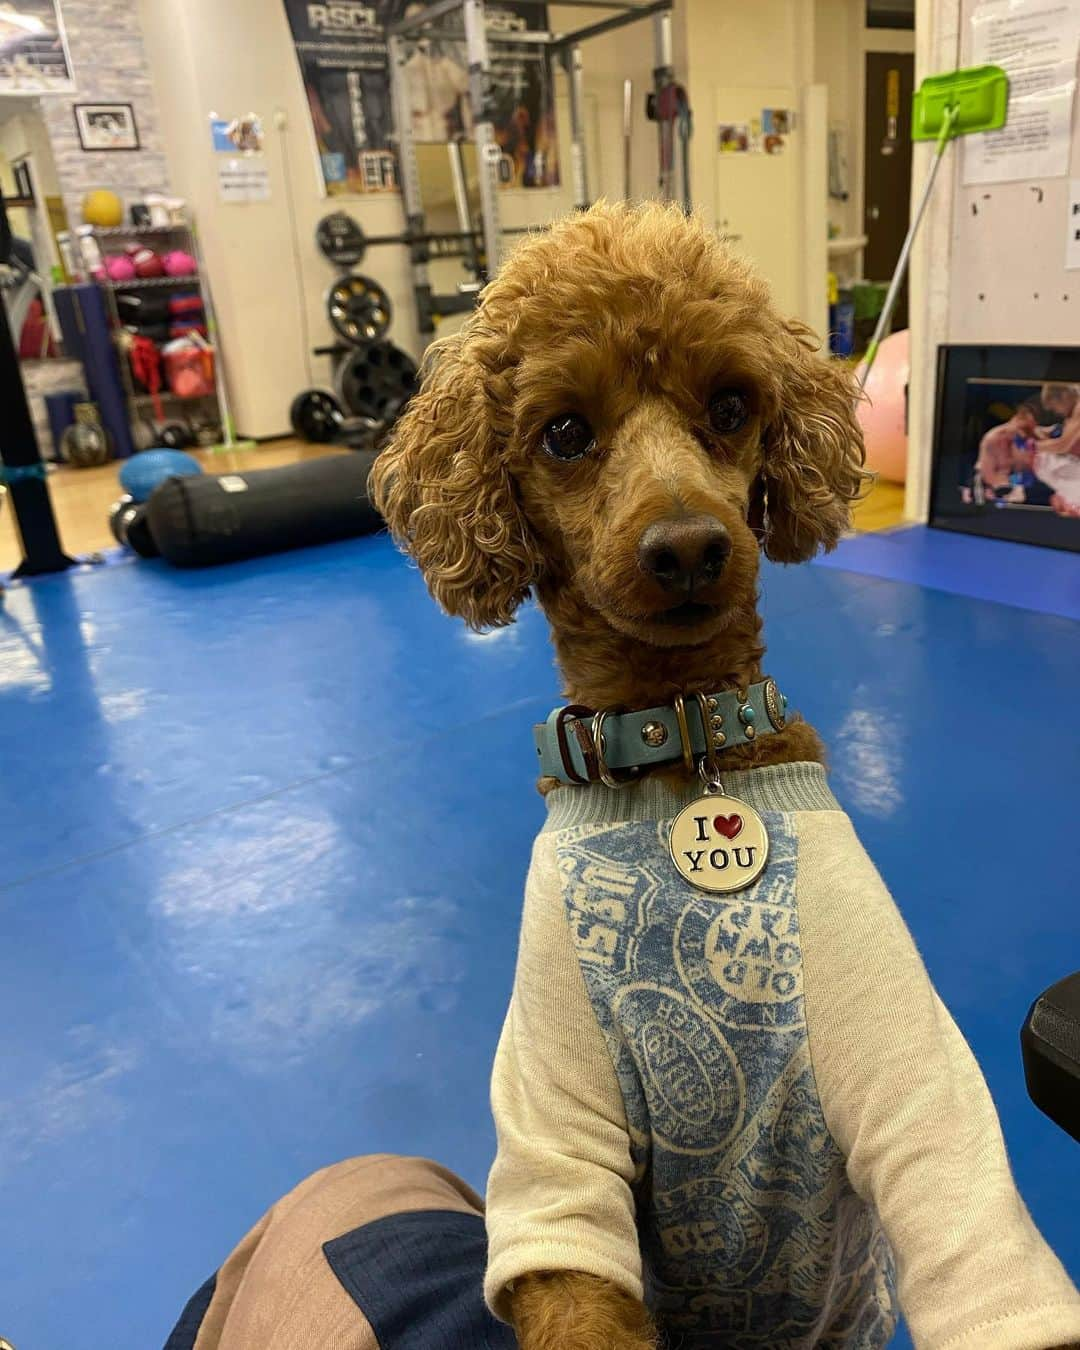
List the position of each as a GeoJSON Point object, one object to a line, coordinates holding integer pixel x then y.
{"type": "Point", "coordinates": [728, 826]}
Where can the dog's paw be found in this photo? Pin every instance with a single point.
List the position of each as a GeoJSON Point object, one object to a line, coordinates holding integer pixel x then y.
{"type": "Point", "coordinates": [566, 1310]}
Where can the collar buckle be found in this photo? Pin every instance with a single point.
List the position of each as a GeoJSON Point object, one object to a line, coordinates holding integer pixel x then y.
{"type": "Point", "coordinates": [606, 776]}
{"type": "Point", "coordinates": [574, 714]}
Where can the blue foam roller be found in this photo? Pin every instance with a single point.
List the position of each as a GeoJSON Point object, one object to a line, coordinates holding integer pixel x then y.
{"type": "Point", "coordinates": [143, 472]}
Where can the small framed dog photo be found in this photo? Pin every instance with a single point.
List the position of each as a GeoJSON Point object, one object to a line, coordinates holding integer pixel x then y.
{"type": "Point", "coordinates": [106, 126]}
{"type": "Point", "coordinates": [1007, 444]}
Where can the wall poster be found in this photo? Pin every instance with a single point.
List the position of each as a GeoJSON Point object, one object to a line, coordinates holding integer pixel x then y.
{"type": "Point", "coordinates": [342, 52]}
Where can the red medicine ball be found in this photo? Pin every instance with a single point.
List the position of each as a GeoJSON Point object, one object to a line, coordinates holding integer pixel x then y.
{"type": "Point", "coordinates": [148, 264]}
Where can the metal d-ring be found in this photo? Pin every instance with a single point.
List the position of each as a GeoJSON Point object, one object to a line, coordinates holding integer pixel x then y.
{"type": "Point", "coordinates": [679, 704]}
{"type": "Point", "coordinates": [606, 776]}
{"type": "Point", "coordinates": [709, 768]}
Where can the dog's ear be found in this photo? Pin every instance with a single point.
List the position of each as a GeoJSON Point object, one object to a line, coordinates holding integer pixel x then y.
{"type": "Point", "coordinates": [812, 453]}
{"type": "Point", "coordinates": [443, 487]}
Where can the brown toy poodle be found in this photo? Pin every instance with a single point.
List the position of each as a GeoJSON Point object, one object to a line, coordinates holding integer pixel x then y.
{"type": "Point", "coordinates": [621, 429]}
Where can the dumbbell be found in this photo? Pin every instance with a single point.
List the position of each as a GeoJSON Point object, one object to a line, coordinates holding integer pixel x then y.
{"type": "Point", "coordinates": [318, 416]}
{"type": "Point", "coordinates": [129, 526]}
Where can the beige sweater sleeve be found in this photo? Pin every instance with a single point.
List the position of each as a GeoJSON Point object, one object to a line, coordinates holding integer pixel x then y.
{"type": "Point", "coordinates": [907, 1104]}
{"type": "Point", "coordinates": [559, 1192]}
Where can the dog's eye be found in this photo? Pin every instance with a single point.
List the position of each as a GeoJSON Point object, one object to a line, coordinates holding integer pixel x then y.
{"type": "Point", "coordinates": [568, 437]}
{"type": "Point", "coordinates": [728, 410]}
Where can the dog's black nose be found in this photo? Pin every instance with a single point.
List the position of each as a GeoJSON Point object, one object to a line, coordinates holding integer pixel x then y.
{"type": "Point", "coordinates": [684, 553]}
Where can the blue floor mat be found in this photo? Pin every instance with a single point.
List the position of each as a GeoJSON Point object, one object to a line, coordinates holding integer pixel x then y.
{"type": "Point", "coordinates": [266, 832]}
{"type": "Point", "coordinates": [1042, 579]}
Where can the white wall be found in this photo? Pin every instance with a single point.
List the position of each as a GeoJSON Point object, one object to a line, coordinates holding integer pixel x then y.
{"type": "Point", "coordinates": [838, 57]}
{"type": "Point", "coordinates": [741, 58]}
{"type": "Point", "coordinates": [232, 59]}
{"type": "Point", "coordinates": [997, 276]}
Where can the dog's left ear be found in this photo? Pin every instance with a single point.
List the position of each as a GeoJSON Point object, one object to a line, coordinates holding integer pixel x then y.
{"type": "Point", "coordinates": [812, 453]}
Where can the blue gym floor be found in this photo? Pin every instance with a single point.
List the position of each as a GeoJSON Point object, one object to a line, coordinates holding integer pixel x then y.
{"type": "Point", "coordinates": [264, 835]}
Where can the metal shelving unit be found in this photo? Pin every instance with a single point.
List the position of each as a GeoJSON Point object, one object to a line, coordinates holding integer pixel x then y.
{"type": "Point", "coordinates": [205, 406]}
{"type": "Point", "coordinates": [126, 231]}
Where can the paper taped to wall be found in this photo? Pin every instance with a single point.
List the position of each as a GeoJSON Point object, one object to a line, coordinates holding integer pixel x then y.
{"type": "Point", "coordinates": [1035, 42]}
{"type": "Point", "coordinates": [1072, 244]}
{"type": "Point", "coordinates": [243, 180]}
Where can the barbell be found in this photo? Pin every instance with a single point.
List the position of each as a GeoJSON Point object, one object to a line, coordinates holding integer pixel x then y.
{"type": "Point", "coordinates": [342, 241]}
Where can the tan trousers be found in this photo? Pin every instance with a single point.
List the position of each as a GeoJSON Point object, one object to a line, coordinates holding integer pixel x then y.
{"type": "Point", "coordinates": [276, 1290]}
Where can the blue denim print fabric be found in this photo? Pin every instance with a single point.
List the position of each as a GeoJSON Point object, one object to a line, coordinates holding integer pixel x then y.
{"type": "Point", "coordinates": [751, 1234]}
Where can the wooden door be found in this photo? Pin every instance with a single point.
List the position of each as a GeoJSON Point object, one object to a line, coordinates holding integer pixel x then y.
{"type": "Point", "coordinates": [890, 78]}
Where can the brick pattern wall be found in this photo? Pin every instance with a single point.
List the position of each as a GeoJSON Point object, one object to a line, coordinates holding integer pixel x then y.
{"type": "Point", "coordinates": [110, 66]}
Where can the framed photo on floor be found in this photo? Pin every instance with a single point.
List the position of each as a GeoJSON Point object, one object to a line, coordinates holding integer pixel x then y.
{"type": "Point", "coordinates": [1007, 444]}
{"type": "Point", "coordinates": [106, 126]}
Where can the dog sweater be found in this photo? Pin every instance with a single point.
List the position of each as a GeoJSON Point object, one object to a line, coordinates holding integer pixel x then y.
{"type": "Point", "coordinates": [740, 1106]}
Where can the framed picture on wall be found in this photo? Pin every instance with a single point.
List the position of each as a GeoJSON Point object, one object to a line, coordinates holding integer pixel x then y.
{"type": "Point", "coordinates": [1007, 444]}
{"type": "Point", "coordinates": [106, 126]}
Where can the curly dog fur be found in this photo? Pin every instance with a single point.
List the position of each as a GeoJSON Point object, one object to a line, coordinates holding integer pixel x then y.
{"type": "Point", "coordinates": [631, 318]}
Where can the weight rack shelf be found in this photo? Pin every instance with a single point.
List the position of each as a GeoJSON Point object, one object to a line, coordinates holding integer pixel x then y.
{"type": "Point", "coordinates": [167, 396]}
{"type": "Point", "coordinates": [138, 282]}
{"type": "Point", "coordinates": [125, 231]}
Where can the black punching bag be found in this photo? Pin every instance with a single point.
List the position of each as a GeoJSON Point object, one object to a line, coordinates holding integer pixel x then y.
{"type": "Point", "coordinates": [204, 519]}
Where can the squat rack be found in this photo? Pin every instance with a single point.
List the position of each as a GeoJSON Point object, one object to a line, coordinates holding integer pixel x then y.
{"type": "Point", "coordinates": [564, 48]}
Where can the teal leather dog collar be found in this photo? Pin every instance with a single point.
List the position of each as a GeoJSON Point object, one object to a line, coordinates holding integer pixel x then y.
{"type": "Point", "coordinates": [578, 745]}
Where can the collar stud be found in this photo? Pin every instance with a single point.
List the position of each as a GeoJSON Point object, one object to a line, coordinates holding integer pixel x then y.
{"type": "Point", "coordinates": [654, 734]}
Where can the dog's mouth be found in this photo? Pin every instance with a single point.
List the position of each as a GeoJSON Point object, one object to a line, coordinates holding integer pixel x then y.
{"type": "Point", "coordinates": [687, 615]}
{"type": "Point", "coordinates": [686, 620]}
{"type": "Point", "coordinates": [691, 622]}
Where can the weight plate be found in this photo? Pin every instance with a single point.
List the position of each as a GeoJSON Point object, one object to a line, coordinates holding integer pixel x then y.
{"type": "Point", "coordinates": [120, 515]}
{"type": "Point", "coordinates": [358, 309]}
{"type": "Point", "coordinates": [85, 444]}
{"type": "Point", "coordinates": [143, 434]}
{"type": "Point", "coordinates": [341, 239]}
{"type": "Point", "coordinates": [376, 381]}
{"type": "Point", "coordinates": [139, 536]}
{"type": "Point", "coordinates": [176, 436]}
{"type": "Point", "coordinates": [316, 415]}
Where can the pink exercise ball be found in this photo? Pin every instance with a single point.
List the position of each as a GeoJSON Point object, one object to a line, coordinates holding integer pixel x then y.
{"type": "Point", "coordinates": [179, 264]}
{"type": "Point", "coordinates": [882, 418]}
{"type": "Point", "coordinates": [119, 268]}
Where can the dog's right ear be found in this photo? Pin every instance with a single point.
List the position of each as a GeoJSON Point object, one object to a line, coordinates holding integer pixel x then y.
{"type": "Point", "coordinates": [443, 487]}
{"type": "Point", "coordinates": [813, 457]}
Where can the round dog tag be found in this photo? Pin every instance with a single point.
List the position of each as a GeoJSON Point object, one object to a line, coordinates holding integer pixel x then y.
{"type": "Point", "coordinates": [719, 843]}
